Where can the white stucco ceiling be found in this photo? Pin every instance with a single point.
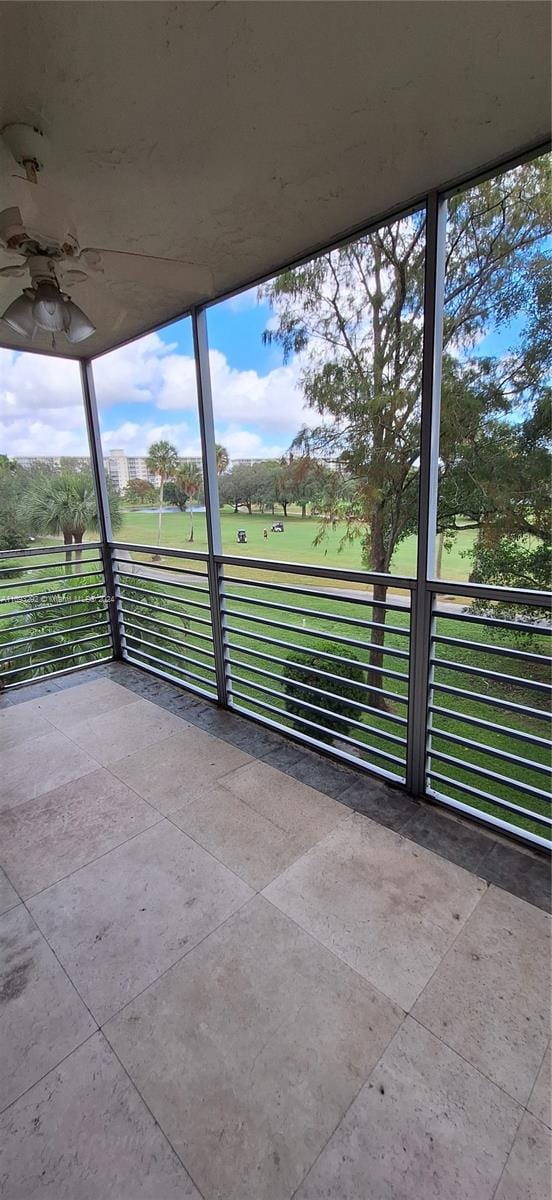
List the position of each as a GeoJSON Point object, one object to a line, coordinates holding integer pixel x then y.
{"type": "Point", "coordinates": [236, 136]}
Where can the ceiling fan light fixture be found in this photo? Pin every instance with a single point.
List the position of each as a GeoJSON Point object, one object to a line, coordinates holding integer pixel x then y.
{"type": "Point", "coordinates": [79, 326]}
{"type": "Point", "coordinates": [19, 316]}
{"type": "Point", "coordinates": [49, 308]}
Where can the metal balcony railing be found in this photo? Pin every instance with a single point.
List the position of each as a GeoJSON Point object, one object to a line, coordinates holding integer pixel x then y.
{"type": "Point", "coordinates": [54, 612]}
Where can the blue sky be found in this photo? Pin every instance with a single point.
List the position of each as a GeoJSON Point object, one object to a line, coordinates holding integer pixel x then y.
{"type": "Point", "coordinates": [146, 391]}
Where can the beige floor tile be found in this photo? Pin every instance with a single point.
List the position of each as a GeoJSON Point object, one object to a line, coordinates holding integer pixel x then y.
{"type": "Point", "coordinates": [291, 805]}
{"type": "Point", "coordinates": [41, 1016]}
{"type": "Point", "coordinates": [528, 1172]}
{"type": "Point", "coordinates": [540, 1100]}
{"type": "Point", "coordinates": [8, 894]}
{"type": "Point", "coordinates": [83, 1133]}
{"type": "Point", "coordinates": [179, 769]}
{"type": "Point", "coordinates": [54, 760]}
{"type": "Point", "coordinates": [250, 1050]}
{"type": "Point", "coordinates": [384, 905]}
{"type": "Point", "coordinates": [490, 997]}
{"type": "Point", "coordinates": [235, 833]}
{"type": "Point", "coordinates": [426, 1126]}
{"type": "Point", "coordinates": [120, 921]}
{"type": "Point", "coordinates": [47, 838]}
{"type": "Point", "coordinates": [115, 734]}
{"type": "Point", "coordinates": [84, 701]}
{"type": "Point", "coordinates": [20, 723]}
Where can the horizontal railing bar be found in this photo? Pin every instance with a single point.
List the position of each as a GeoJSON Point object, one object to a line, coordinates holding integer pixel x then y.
{"type": "Point", "coordinates": [505, 755]}
{"type": "Point", "coordinates": [361, 767]}
{"type": "Point", "coordinates": [406, 583]}
{"type": "Point", "coordinates": [164, 596]}
{"type": "Point", "coordinates": [507, 705]}
{"type": "Point", "coordinates": [11, 687]}
{"type": "Point", "coordinates": [506, 730]}
{"type": "Point", "coordinates": [496, 778]}
{"type": "Point", "coordinates": [325, 635]}
{"type": "Point", "coordinates": [173, 611]}
{"type": "Point", "coordinates": [155, 620]}
{"type": "Point", "coordinates": [47, 566]}
{"type": "Point", "coordinates": [164, 674]}
{"type": "Point", "coordinates": [485, 673]}
{"type": "Point", "coordinates": [176, 667]}
{"type": "Point", "coordinates": [28, 583]}
{"type": "Point", "coordinates": [143, 548]}
{"type": "Point", "coordinates": [495, 622]}
{"type": "Point", "coordinates": [321, 729]}
{"type": "Point", "coordinates": [42, 608]}
{"type": "Point", "coordinates": [261, 637]}
{"type": "Point", "coordinates": [309, 612]}
{"type": "Point", "coordinates": [39, 637]}
{"type": "Point", "coordinates": [164, 638]}
{"type": "Point", "coordinates": [325, 593]}
{"type": "Point", "coordinates": [53, 661]}
{"type": "Point", "coordinates": [312, 671]}
{"type": "Point", "coordinates": [486, 648]}
{"type": "Point", "coordinates": [489, 818]}
{"type": "Point", "coordinates": [483, 591]}
{"type": "Point", "coordinates": [39, 595]}
{"type": "Point", "coordinates": [31, 551]}
{"type": "Point", "coordinates": [317, 593]}
{"type": "Point", "coordinates": [169, 583]}
{"type": "Point", "coordinates": [53, 649]}
{"type": "Point", "coordinates": [508, 805]}
{"type": "Point", "coordinates": [360, 725]}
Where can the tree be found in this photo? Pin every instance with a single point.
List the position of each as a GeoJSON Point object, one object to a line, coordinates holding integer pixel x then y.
{"type": "Point", "coordinates": [161, 460]}
{"type": "Point", "coordinates": [140, 491]}
{"type": "Point", "coordinates": [236, 487]}
{"type": "Point", "coordinates": [189, 481]}
{"type": "Point", "coordinates": [15, 525]}
{"type": "Point", "coordinates": [66, 504]}
{"type": "Point", "coordinates": [222, 458]}
{"type": "Point", "coordinates": [355, 316]}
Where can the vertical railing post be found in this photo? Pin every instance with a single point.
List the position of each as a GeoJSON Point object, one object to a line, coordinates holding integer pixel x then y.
{"type": "Point", "coordinates": [422, 599]}
{"type": "Point", "coordinates": [210, 487]}
{"type": "Point", "coordinates": [104, 515]}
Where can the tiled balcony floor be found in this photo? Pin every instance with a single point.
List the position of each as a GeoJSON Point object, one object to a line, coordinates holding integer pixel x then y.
{"type": "Point", "coordinates": [218, 980]}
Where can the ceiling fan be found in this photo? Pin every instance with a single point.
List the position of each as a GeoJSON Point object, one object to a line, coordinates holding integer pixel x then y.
{"type": "Point", "coordinates": [55, 264]}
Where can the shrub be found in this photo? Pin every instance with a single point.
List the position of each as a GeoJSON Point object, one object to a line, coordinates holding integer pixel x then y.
{"type": "Point", "coordinates": [346, 696]}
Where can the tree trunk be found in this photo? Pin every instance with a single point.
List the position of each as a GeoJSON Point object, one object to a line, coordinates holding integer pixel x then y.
{"type": "Point", "coordinates": [160, 511]}
{"type": "Point", "coordinates": [284, 507]}
{"type": "Point", "coordinates": [236, 507]}
{"type": "Point", "coordinates": [248, 506]}
{"type": "Point", "coordinates": [68, 541]}
{"type": "Point", "coordinates": [191, 537]}
{"type": "Point", "coordinates": [303, 510]}
{"type": "Point", "coordinates": [439, 555]}
{"type": "Point", "coordinates": [77, 537]}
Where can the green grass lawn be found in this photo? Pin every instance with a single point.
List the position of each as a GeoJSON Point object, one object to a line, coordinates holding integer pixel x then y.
{"type": "Point", "coordinates": [294, 545]}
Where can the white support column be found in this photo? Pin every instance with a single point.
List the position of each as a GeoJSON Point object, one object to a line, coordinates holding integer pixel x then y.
{"type": "Point", "coordinates": [422, 600]}
{"type": "Point", "coordinates": [210, 487]}
{"type": "Point", "coordinates": [104, 515]}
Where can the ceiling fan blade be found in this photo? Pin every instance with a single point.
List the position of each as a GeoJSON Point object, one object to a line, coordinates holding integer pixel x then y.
{"type": "Point", "coordinates": [14, 272]}
{"type": "Point", "coordinates": [172, 274]}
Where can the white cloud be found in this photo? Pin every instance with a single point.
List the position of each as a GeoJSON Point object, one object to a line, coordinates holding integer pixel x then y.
{"type": "Point", "coordinates": [41, 409]}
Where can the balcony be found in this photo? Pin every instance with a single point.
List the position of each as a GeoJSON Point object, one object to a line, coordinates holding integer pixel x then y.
{"type": "Point", "coordinates": [233, 969]}
{"type": "Point", "coordinates": [275, 602]}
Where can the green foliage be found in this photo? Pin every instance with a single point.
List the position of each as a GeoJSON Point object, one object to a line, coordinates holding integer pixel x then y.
{"type": "Point", "coordinates": [346, 699]}
{"type": "Point", "coordinates": [140, 491]}
{"type": "Point", "coordinates": [65, 503]}
{"type": "Point", "coordinates": [15, 525]}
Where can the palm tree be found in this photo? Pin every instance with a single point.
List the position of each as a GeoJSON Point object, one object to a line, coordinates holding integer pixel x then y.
{"type": "Point", "coordinates": [66, 504]}
{"type": "Point", "coordinates": [189, 480]}
{"type": "Point", "coordinates": [222, 458]}
{"type": "Point", "coordinates": [162, 460]}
